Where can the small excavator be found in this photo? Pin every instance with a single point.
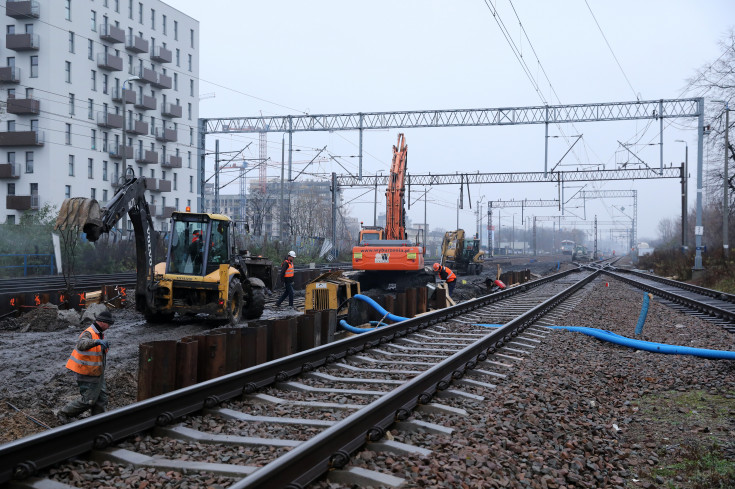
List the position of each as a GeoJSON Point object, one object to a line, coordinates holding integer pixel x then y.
{"type": "Point", "coordinates": [387, 255]}
{"type": "Point", "coordinates": [204, 272]}
{"type": "Point", "coordinates": [462, 255]}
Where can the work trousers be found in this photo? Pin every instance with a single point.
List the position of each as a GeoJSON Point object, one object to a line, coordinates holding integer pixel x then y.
{"type": "Point", "coordinates": [451, 285]}
{"type": "Point", "coordinates": [287, 292]}
{"type": "Point", "coordinates": [93, 396]}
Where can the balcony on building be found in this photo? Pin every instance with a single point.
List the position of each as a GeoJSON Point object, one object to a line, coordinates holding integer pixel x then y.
{"type": "Point", "coordinates": [146, 75]}
{"type": "Point", "coordinates": [171, 110]}
{"type": "Point", "coordinates": [164, 81]}
{"type": "Point", "coordinates": [111, 33]}
{"type": "Point", "coordinates": [137, 127]}
{"type": "Point", "coordinates": [18, 202]}
{"type": "Point", "coordinates": [117, 95]}
{"type": "Point", "coordinates": [166, 212]}
{"type": "Point", "coordinates": [172, 162]}
{"type": "Point", "coordinates": [151, 184]}
{"type": "Point", "coordinates": [21, 138]}
{"type": "Point", "coordinates": [23, 106]}
{"type": "Point", "coordinates": [109, 62]}
{"type": "Point", "coordinates": [117, 150]}
{"type": "Point", "coordinates": [9, 74]}
{"type": "Point", "coordinates": [161, 54]}
{"type": "Point", "coordinates": [22, 42]}
{"type": "Point", "coordinates": [153, 209]}
{"type": "Point", "coordinates": [136, 44]}
{"type": "Point", "coordinates": [146, 156]}
{"type": "Point", "coordinates": [145, 102]}
{"type": "Point", "coordinates": [106, 119]}
{"type": "Point", "coordinates": [10, 170]}
{"type": "Point", "coordinates": [164, 185]}
{"type": "Point", "coordinates": [20, 9]}
{"type": "Point", "coordinates": [165, 134]}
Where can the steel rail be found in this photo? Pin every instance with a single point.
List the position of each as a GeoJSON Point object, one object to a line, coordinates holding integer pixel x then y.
{"type": "Point", "coordinates": [700, 306]}
{"type": "Point", "coordinates": [332, 447]}
{"type": "Point", "coordinates": [23, 458]}
{"type": "Point", "coordinates": [716, 294]}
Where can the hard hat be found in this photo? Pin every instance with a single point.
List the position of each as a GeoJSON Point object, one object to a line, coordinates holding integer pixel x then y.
{"type": "Point", "coordinates": [436, 267]}
{"type": "Point", "coordinates": [292, 253]}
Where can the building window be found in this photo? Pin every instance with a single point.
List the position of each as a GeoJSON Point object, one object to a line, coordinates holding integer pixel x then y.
{"type": "Point", "coordinates": [188, 109]}
{"type": "Point", "coordinates": [90, 168]}
{"type": "Point", "coordinates": [189, 55]}
{"type": "Point", "coordinates": [105, 80]}
{"type": "Point", "coordinates": [94, 81]}
{"type": "Point", "coordinates": [130, 9]}
{"type": "Point", "coordinates": [191, 38]}
{"type": "Point", "coordinates": [117, 6]}
{"type": "Point", "coordinates": [93, 19]}
{"type": "Point", "coordinates": [67, 191]}
{"type": "Point", "coordinates": [140, 12]}
{"type": "Point", "coordinates": [191, 138]}
{"type": "Point", "coordinates": [188, 159]}
{"type": "Point", "coordinates": [71, 165]}
{"type": "Point", "coordinates": [10, 219]}
{"type": "Point", "coordinates": [67, 69]}
{"type": "Point", "coordinates": [191, 87]}
{"type": "Point", "coordinates": [105, 140]}
{"type": "Point", "coordinates": [176, 203]}
{"type": "Point", "coordinates": [176, 30]}
{"type": "Point", "coordinates": [71, 104]}
{"type": "Point", "coordinates": [11, 157]}
{"type": "Point", "coordinates": [93, 193]}
{"type": "Point", "coordinates": [71, 42]}
{"type": "Point", "coordinates": [90, 109]}
{"type": "Point", "coordinates": [93, 137]}
{"type": "Point", "coordinates": [191, 183]}
{"type": "Point", "coordinates": [176, 82]}
{"type": "Point", "coordinates": [176, 184]}
{"type": "Point", "coordinates": [11, 189]}
{"type": "Point", "coordinates": [29, 161]}
{"type": "Point", "coordinates": [67, 134]}
{"type": "Point", "coordinates": [178, 57]}
{"type": "Point", "coordinates": [163, 24]}
{"type": "Point", "coordinates": [11, 126]}
{"type": "Point", "coordinates": [34, 67]}
{"type": "Point", "coordinates": [104, 195]}
{"type": "Point", "coordinates": [90, 49]}
{"type": "Point", "coordinates": [10, 29]}
{"type": "Point", "coordinates": [153, 19]}
{"type": "Point", "coordinates": [67, 9]}
{"type": "Point", "coordinates": [104, 171]}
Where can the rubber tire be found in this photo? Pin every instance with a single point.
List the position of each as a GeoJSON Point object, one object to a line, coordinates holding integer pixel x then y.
{"type": "Point", "coordinates": [154, 317]}
{"type": "Point", "coordinates": [255, 306]}
{"type": "Point", "coordinates": [235, 301]}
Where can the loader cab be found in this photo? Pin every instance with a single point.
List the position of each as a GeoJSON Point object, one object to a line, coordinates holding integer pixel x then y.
{"type": "Point", "coordinates": [199, 243]}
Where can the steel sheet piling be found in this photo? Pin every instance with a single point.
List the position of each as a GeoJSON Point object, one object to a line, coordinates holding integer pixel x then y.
{"type": "Point", "coordinates": [186, 362]}
{"type": "Point", "coordinates": [285, 338]}
{"type": "Point", "coordinates": [410, 303]}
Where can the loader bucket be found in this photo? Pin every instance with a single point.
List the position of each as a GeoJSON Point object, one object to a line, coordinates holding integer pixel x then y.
{"type": "Point", "coordinates": [80, 213]}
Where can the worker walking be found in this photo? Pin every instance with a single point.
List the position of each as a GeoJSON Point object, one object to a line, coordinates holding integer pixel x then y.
{"type": "Point", "coordinates": [287, 274]}
{"type": "Point", "coordinates": [447, 275]}
{"type": "Point", "coordinates": [88, 361]}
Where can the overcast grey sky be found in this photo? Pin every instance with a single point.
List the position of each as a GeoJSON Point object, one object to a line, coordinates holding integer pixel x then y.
{"type": "Point", "coordinates": [289, 57]}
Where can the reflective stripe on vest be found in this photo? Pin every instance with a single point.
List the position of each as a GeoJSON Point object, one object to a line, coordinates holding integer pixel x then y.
{"type": "Point", "coordinates": [451, 277]}
{"type": "Point", "coordinates": [289, 270]}
{"type": "Point", "coordinates": [89, 362]}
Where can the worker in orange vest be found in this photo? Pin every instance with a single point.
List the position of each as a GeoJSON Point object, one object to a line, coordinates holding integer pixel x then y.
{"type": "Point", "coordinates": [87, 361]}
{"type": "Point", "coordinates": [287, 273]}
{"type": "Point", "coordinates": [447, 275]}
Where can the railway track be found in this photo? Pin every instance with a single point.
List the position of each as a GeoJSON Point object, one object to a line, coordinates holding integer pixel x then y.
{"type": "Point", "coordinates": [327, 402]}
{"type": "Point", "coordinates": [709, 305]}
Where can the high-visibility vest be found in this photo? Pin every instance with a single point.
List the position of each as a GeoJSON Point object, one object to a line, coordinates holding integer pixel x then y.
{"type": "Point", "coordinates": [289, 270]}
{"type": "Point", "coordinates": [451, 277]}
{"type": "Point", "coordinates": [89, 362]}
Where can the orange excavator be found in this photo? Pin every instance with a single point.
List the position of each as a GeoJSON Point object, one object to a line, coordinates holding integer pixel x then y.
{"type": "Point", "coordinates": [389, 249]}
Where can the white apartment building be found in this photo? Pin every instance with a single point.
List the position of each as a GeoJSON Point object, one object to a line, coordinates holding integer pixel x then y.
{"type": "Point", "coordinates": [63, 68]}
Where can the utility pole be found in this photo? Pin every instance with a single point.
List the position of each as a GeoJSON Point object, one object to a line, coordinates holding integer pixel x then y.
{"type": "Point", "coordinates": [684, 195]}
{"type": "Point", "coordinates": [725, 202]}
{"type": "Point", "coordinates": [375, 205]}
{"type": "Point", "coordinates": [490, 233]}
{"type": "Point", "coordinates": [216, 176]}
{"type": "Point", "coordinates": [334, 215]}
{"type": "Point", "coordinates": [282, 206]}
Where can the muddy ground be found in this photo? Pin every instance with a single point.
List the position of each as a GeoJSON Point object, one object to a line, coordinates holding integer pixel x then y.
{"type": "Point", "coordinates": [34, 349]}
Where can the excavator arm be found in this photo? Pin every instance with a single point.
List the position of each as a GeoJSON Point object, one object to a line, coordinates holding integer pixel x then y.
{"type": "Point", "coordinates": [129, 199]}
{"type": "Point", "coordinates": [395, 216]}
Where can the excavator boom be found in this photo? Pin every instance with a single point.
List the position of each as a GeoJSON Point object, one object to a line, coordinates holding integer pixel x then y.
{"type": "Point", "coordinates": [395, 216]}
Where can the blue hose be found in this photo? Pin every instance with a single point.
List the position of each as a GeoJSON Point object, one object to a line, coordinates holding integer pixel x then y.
{"type": "Point", "coordinates": [643, 314]}
{"type": "Point", "coordinates": [377, 307]}
{"type": "Point", "coordinates": [649, 346]}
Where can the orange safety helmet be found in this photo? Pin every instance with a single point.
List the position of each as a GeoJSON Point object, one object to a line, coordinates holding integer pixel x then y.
{"type": "Point", "coordinates": [436, 267]}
